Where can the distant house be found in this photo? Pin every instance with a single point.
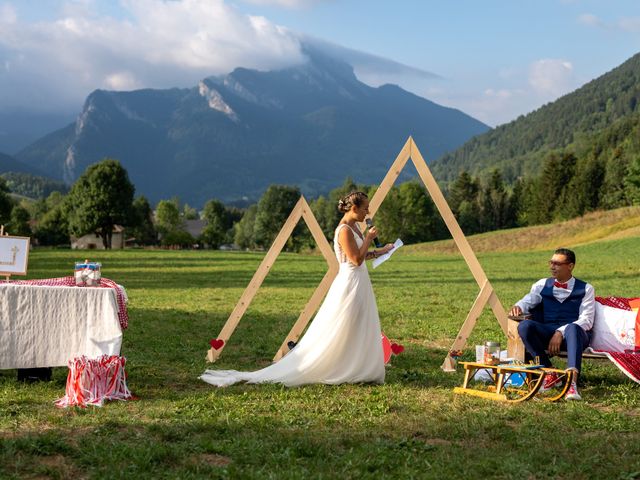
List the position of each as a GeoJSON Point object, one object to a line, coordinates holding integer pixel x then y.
{"type": "Point", "coordinates": [195, 227]}
{"type": "Point", "coordinates": [93, 241]}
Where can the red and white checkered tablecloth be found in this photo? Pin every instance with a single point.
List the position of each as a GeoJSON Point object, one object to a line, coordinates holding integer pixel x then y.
{"type": "Point", "coordinates": [123, 314]}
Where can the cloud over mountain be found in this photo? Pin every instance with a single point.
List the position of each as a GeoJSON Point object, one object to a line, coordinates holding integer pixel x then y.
{"type": "Point", "coordinates": [161, 44]}
{"type": "Point", "coordinates": [157, 44]}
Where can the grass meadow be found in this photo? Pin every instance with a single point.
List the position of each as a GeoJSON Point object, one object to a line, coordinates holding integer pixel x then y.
{"type": "Point", "coordinates": [413, 426]}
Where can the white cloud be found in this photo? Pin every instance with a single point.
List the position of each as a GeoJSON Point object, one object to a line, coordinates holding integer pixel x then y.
{"type": "Point", "coordinates": [629, 24]}
{"type": "Point", "coordinates": [286, 3]}
{"type": "Point", "coordinates": [373, 69]}
{"type": "Point", "coordinates": [624, 24]}
{"type": "Point", "coordinates": [589, 19]}
{"type": "Point", "coordinates": [498, 106]}
{"type": "Point", "coordinates": [501, 94]}
{"type": "Point", "coordinates": [516, 91]}
{"type": "Point", "coordinates": [121, 81]}
{"type": "Point", "coordinates": [8, 13]}
{"type": "Point", "coordinates": [160, 44]}
{"type": "Point", "coordinates": [551, 78]}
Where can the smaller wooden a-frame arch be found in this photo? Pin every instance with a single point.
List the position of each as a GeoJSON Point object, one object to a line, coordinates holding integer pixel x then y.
{"type": "Point", "coordinates": [300, 210]}
{"type": "Point", "coordinates": [487, 293]}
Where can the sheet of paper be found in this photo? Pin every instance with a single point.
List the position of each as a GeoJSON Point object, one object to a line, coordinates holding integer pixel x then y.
{"type": "Point", "coordinates": [383, 258]}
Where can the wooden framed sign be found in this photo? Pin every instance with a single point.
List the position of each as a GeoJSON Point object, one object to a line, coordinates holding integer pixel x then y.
{"type": "Point", "coordinates": [14, 255]}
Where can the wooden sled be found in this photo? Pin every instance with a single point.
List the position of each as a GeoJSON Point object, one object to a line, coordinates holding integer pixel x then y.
{"type": "Point", "coordinates": [514, 383]}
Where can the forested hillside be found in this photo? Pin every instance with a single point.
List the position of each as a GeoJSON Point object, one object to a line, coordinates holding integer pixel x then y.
{"type": "Point", "coordinates": [518, 148]}
{"type": "Point", "coordinates": [33, 186]}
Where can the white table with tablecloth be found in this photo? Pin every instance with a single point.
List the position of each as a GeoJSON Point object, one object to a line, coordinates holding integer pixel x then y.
{"type": "Point", "coordinates": [46, 326]}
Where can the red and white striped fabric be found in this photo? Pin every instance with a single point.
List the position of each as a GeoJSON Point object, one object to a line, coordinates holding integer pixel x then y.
{"type": "Point", "coordinates": [91, 381]}
{"type": "Point", "coordinates": [615, 330]}
{"type": "Point", "coordinates": [123, 314]}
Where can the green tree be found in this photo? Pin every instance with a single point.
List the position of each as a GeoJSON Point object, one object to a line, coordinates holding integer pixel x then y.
{"type": "Point", "coordinates": [189, 213]}
{"type": "Point", "coordinates": [464, 189]}
{"type": "Point", "coordinates": [320, 207]}
{"type": "Point", "coordinates": [423, 222]}
{"type": "Point", "coordinates": [19, 223]}
{"type": "Point", "coordinates": [468, 217]}
{"type": "Point", "coordinates": [519, 200]}
{"type": "Point", "coordinates": [177, 238]}
{"type": "Point", "coordinates": [463, 201]}
{"type": "Point", "coordinates": [219, 221]}
{"type": "Point", "coordinates": [632, 181]}
{"type": "Point", "coordinates": [583, 193]}
{"type": "Point", "coordinates": [389, 218]}
{"type": "Point", "coordinates": [6, 204]}
{"type": "Point", "coordinates": [143, 229]}
{"type": "Point", "coordinates": [53, 227]}
{"type": "Point", "coordinates": [613, 190]}
{"type": "Point", "coordinates": [495, 208]}
{"type": "Point", "coordinates": [409, 213]}
{"type": "Point", "coordinates": [557, 172]}
{"type": "Point", "coordinates": [100, 199]}
{"type": "Point", "coordinates": [168, 217]}
{"type": "Point", "coordinates": [243, 229]}
{"type": "Point", "coordinates": [274, 207]}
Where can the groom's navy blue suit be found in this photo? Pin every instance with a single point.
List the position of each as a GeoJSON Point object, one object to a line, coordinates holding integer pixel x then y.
{"type": "Point", "coordinates": [551, 315]}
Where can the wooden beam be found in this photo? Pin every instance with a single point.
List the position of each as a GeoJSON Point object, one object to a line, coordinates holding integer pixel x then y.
{"type": "Point", "coordinates": [315, 300]}
{"type": "Point", "coordinates": [447, 215]}
{"type": "Point", "coordinates": [467, 327]}
{"type": "Point", "coordinates": [256, 281]}
{"type": "Point", "coordinates": [300, 210]}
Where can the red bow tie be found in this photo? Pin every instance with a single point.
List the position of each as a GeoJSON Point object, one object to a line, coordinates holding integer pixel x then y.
{"type": "Point", "coordinates": [560, 285]}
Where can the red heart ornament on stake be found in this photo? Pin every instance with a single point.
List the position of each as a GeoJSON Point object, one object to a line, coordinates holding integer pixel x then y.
{"type": "Point", "coordinates": [396, 348]}
{"type": "Point", "coordinates": [216, 343]}
{"type": "Point", "coordinates": [386, 348]}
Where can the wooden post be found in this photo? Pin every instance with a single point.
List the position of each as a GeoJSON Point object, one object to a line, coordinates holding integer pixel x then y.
{"type": "Point", "coordinates": [7, 277]}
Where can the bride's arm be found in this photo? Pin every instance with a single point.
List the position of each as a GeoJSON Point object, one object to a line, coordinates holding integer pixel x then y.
{"type": "Point", "coordinates": [348, 244]}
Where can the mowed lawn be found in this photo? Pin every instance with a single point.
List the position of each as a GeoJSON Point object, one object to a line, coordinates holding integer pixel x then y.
{"type": "Point", "coordinates": [411, 427]}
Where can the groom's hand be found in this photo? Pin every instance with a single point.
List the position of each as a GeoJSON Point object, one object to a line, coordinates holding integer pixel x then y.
{"type": "Point", "coordinates": [555, 343]}
{"type": "Point", "coordinates": [515, 311]}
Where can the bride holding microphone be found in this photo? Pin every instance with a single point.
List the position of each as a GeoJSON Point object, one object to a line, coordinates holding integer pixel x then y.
{"type": "Point", "coordinates": [342, 343]}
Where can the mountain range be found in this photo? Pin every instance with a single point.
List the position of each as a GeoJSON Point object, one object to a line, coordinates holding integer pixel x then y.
{"type": "Point", "coordinates": [231, 136]}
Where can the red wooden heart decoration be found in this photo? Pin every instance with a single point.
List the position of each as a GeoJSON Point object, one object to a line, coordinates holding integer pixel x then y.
{"type": "Point", "coordinates": [396, 348]}
{"type": "Point", "coordinates": [216, 343]}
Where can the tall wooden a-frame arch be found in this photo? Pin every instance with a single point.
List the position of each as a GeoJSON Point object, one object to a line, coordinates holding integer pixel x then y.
{"type": "Point", "coordinates": [487, 293]}
{"type": "Point", "coordinates": [300, 210]}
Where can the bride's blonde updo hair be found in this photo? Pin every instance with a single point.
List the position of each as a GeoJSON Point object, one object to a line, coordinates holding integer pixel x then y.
{"type": "Point", "coordinates": [351, 199]}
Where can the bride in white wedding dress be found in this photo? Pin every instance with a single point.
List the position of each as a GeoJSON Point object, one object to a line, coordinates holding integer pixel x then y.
{"type": "Point", "coordinates": [343, 343]}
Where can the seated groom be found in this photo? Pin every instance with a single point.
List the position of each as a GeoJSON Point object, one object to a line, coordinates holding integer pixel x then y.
{"type": "Point", "coordinates": [568, 307]}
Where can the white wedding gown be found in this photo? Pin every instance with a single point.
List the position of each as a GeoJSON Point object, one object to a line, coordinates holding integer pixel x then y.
{"type": "Point", "coordinates": [341, 345]}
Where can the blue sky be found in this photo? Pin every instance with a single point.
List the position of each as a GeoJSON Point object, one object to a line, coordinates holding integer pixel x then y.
{"type": "Point", "coordinates": [493, 59]}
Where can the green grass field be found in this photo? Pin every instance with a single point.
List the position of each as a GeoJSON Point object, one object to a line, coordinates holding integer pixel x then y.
{"type": "Point", "coordinates": [411, 427]}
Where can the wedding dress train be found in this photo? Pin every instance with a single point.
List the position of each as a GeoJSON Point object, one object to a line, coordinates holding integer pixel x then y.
{"type": "Point", "coordinates": [341, 345]}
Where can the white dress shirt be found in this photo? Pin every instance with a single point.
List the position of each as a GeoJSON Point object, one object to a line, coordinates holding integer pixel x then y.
{"type": "Point", "coordinates": [587, 307]}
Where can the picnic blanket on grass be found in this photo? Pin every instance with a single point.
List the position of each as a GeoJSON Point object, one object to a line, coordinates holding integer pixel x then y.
{"type": "Point", "coordinates": [614, 333]}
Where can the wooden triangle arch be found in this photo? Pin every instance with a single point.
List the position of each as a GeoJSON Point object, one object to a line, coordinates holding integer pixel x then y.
{"type": "Point", "coordinates": [300, 210]}
{"type": "Point", "coordinates": [487, 293]}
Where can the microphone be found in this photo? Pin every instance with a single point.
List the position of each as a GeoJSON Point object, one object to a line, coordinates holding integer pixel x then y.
{"type": "Point", "coordinates": [376, 242]}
